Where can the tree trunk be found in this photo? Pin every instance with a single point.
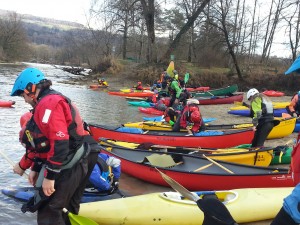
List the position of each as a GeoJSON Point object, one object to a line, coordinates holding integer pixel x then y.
{"type": "Point", "coordinates": [183, 30]}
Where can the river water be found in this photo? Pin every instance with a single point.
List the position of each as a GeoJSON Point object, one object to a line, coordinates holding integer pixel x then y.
{"type": "Point", "coordinates": [94, 106]}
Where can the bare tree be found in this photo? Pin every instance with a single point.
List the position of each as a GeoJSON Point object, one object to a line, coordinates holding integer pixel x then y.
{"type": "Point", "coordinates": [184, 29]}
{"type": "Point", "coordinates": [13, 38]}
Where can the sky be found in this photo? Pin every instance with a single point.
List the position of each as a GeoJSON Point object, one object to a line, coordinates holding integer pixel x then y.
{"type": "Point", "coordinates": [69, 10]}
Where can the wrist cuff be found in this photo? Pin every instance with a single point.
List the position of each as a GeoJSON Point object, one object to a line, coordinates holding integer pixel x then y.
{"type": "Point", "coordinates": [50, 175]}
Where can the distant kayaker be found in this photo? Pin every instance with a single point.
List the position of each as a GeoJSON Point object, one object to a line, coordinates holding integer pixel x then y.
{"type": "Point", "coordinates": [102, 82]}
{"type": "Point", "coordinates": [66, 153]}
{"type": "Point", "coordinates": [139, 86]}
{"type": "Point", "coordinates": [261, 111]}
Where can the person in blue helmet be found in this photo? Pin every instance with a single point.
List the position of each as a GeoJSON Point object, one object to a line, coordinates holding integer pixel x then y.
{"type": "Point", "coordinates": [66, 152]}
{"type": "Point", "coordinates": [105, 175]}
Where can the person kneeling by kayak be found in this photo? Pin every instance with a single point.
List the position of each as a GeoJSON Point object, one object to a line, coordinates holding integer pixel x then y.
{"type": "Point", "coordinates": [105, 175]}
{"type": "Point", "coordinates": [190, 119]}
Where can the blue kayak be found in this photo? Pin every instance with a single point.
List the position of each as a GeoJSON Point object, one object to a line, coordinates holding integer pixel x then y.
{"type": "Point", "coordinates": [246, 112]}
{"type": "Point", "coordinates": [23, 194]}
{"type": "Point", "coordinates": [141, 104]}
{"type": "Point", "coordinates": [160, 118]}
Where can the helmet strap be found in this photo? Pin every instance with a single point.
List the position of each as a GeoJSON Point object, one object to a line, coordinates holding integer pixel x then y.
{"type": "Point", "coordinates": [30, 90]}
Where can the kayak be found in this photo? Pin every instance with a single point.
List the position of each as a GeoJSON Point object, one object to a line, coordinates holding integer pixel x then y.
{"type": "Point", "coordinates": [23, 194]}
{"type": "Point", "coordinates": [216, 92]}
{"type": "Point", "coordinates": [198, 173]}
{"type": "Point", "coordinates": [285, 127]}
{"type": "Point", "coordinates": [214, 100]}
{"type": "Point", "coordinates": [93, 86]}
{"type": "Point", "coordinates": [281, 154]}
{"type": "Point", "coordinates": [272, 93]}
{"type": "Point", "coordinates": [276, 105]}
{"type": "Point", "coordinates": [4, 103]}
{"type": "Point", "coordinates": [161, 118]}
{"type": "Point", "coordinates": [151, 110]}
{"type": "Point", "coordinates": [205, 139]}
{"type": "Point", "coordinates": [132, 94]}
{"type": "Point", "coordinates": [254, 157]}
{"type": "Point", "coordinates": [141, 104]}
{"type": "Point", "coordinates": [190, 89]}
{"type": "Point", "coordinates": [246, 112]}
{"type": "Point", "coordinates": [170, 208]}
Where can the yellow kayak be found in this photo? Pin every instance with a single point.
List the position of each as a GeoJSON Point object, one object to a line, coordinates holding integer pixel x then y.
{"type": "Point", "coordinates": [169, 208]}
{"type": "Point", "coordinates": [276, 105]}
{"type": "Point", "coordinates": [257, 157]}
{"type": "Point", "coordinates": [283, 129]}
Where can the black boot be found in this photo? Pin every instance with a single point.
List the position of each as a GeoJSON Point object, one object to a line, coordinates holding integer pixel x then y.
{"type": "Point", "coordinates": [283, 218]}
{"type": "Point", "coordinates": [215, 212]}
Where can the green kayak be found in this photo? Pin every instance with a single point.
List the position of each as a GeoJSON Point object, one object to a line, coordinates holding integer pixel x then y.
{"type": "Point", "coordinates": [282, 154]}
{"type": "Point", "coordinates": [216, 92]}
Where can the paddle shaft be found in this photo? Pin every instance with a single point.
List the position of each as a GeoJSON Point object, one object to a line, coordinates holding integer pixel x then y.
{"type": "Point", "coordinates": [219, 165]}
{"type": "Point", "coordinates": [11, 162]}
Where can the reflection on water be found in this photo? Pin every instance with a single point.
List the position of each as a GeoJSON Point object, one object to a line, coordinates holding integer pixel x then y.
{"type": "Point", "coordinates": [95, 107]}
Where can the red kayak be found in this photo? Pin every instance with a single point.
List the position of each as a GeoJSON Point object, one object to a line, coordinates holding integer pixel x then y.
{"type": "Point", "coordinates": [214, 100]}
{"type": "Point", "coordinates": [132, 94]}
{"type": "Point", "coordinates": [195, 173]}
{"type": "Point", "coordinates": [151, 110]}
{"type": "Point", "coordinates": [272, 93]}
{"type": "Point", "coordinates": [197, 89]}
{"type": "Point", "coordinates": [6, 103]}
{"type": "Point", "coordinates": [93, 86]}
{"type": "Point", "coordinates": [208, 139]}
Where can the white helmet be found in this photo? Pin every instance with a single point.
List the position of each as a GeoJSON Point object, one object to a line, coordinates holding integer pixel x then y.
{"type": "Point", "coordinates": [251, 92]}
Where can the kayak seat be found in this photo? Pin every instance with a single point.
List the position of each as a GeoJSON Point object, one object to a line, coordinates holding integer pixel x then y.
{"type": "Point", "coordinates": [159, 160]}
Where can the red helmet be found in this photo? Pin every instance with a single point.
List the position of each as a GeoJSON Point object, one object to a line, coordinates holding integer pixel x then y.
{"type": "Point", "coordinates": [193, 108]}
{"type": "Point", "coordinates": [195, 117]}
{"type": "Point", "coordinates": [25, 118]}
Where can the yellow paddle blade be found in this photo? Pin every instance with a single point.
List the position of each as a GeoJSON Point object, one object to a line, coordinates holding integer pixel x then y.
{"type": "Point", "coordinates": [170, 69]}
{"type": "Point", "coordinates": [79, 220]}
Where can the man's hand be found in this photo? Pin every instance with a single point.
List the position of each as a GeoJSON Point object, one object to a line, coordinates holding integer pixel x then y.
{"type": "Point", "coordinates": [18, 170]}
{"type": "Point", "coordinates": [32, 177]}
{"type": "Point", "coordinates": [295, 115]}
{"type": "Point", "coordinates": [48, 186]}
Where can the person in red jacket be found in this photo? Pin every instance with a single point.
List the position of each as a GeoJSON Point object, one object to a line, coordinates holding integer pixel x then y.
{"type": "Point", "coordinates": [190, 119]}
{"type": "Point", "coordinates": [65, 152]}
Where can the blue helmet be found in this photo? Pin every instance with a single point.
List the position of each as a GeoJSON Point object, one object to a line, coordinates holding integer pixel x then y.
{"type": "Point", "coordinates": [26, 78]}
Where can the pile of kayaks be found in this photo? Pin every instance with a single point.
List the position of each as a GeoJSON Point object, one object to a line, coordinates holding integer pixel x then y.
{"type": "Point", "coordinates": [284, 128]}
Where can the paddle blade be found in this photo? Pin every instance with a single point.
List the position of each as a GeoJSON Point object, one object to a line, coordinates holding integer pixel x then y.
{"type": "Point", "coordinates": [186, 77]}
{"type": "Point", "coordinates": [170, 69]}
{"type": "Point", "coordinates": [79, 220]}
{"type": "Point", "coordinates": [178, 187]}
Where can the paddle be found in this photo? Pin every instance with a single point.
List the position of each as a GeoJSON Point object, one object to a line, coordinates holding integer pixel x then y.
{"type": "Point", "coordinates": [178, 187]}
{"type": "Point", "coordinates": [219, 165]}
{"type": "Point", "coordinates": [215, 212]}
{"type": "Point", "coordinates": [186, 78]}
{"type": "Point", "coordinates": [11, 162]}
{"type": "Point", "coordinates": [79, 220]}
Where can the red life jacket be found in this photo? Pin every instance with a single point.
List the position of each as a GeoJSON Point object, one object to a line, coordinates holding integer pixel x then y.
{"type": "Point", "coordinates": [295, 162]}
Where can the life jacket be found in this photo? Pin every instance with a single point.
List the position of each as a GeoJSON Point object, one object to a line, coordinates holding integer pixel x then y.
{"type": "Point", "coordinates": [295, 162]}
{"type": "Point", "coordinates": [105, 171]}
{"type": "Point", "coordinates": [266, 108]}
{"type": "Point", "coordinates": [34, 139]}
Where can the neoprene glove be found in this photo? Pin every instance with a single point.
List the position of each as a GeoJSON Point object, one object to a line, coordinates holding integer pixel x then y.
{"type": "Point", "coordinates": [171, 122]}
